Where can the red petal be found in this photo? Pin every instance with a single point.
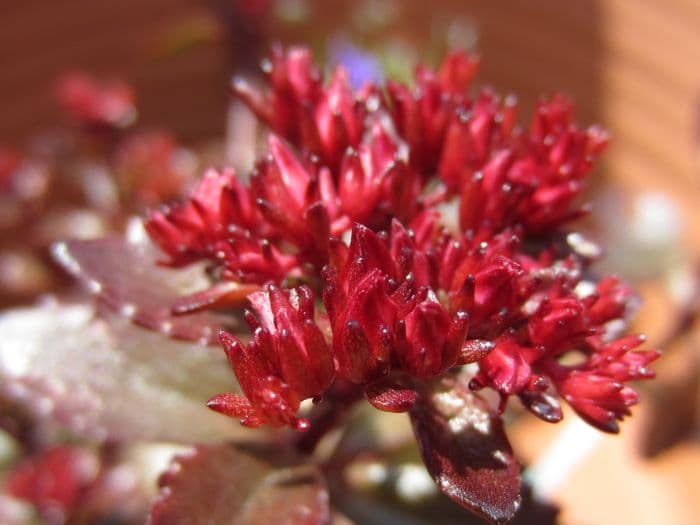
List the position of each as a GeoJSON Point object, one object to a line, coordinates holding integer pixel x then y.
{"type": "Point", "coordinates": [233, 405]}
{"type": "Point", "coordinates": [222, 295]}
{"type": "Point", "coordinates": [391, 397]}
{"type": "Point", "coordinates": [427, 327]}
{"type": "Point", "coordinates": [506, 366]}
{"type": "Point", "coordinates": [475, 350]}
{"type": "Point", "coordinates": [294, 176]}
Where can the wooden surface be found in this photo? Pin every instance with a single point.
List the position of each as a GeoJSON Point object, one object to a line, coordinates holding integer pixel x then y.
{"type": "Point", "coordinates": [650, 82]}
{"type": "Point", "coordinates": [40, 39]}
{"type": "Point", "coordinates": [632, 66]}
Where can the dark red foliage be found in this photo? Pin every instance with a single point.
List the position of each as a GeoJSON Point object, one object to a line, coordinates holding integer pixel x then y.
{"type": "Point", "coordinates": [466, 451]}
{"type": "Point", "coordinates": [123, 276]}
{"type": "Point", "coordinates": [390, 396]}
{"type": "Point", "coordinates": [226, 484]}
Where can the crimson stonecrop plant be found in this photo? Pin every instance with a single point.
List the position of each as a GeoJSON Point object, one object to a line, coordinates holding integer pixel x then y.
{"type": "Point", "coordinates": [408, 244]}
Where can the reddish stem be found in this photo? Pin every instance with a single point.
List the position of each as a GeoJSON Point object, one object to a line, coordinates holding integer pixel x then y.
{"type": "Point", "coordinates": [326, 416]}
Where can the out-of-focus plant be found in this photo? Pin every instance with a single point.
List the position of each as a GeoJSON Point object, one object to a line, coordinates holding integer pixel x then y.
{"type": "Point", "coordinates": [82, 180]}
{"type": "Point", "coordinates": [405, 244]}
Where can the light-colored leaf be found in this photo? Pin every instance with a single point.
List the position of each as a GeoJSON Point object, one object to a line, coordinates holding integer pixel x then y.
{"type": "Point", "coordinates": [126, 277]}
{"type": "Point", "coordinates": [110, 378]}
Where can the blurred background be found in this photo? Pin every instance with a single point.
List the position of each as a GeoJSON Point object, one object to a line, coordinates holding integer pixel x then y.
{"type": "Point", "coordinates": [633, 67]}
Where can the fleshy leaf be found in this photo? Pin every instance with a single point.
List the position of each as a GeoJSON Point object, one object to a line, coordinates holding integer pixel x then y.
{"type": "Point", "coordinates": [391, 397]}
{"type": "Point", "coordinates": [229, 485]}
{"type": "Point", "coordinates": [111, 380]}
{"type": "Point", "coordinates": [543, 405]}
{"type": "Point", "coordinates": [466, 451]}
{"type": "Point", "coordinates": [126, 277]}
{"type": "Point", "coordinates": [224, 294]}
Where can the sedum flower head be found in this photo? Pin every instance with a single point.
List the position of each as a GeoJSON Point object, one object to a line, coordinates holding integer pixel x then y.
{"type": "Point", "coordinates": [394, 233]}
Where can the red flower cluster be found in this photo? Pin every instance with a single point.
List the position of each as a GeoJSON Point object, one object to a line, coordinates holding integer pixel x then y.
{"type": "Point", "coordinates": [54, 480]}
{"type": "Point", "coordinates": [321, 120]}
{"type": "Point", "coordinates": [289, 202]}
{"type": "Point", "coordinates": [417, 298]}
{"type": "Point", "coordinates": [9, 161]}
{"type": "Point", "coordinates": [383, 313]}
{"type": "Point", "coordinates": [150, 166]}
{"type": "Point", "coordinates": [286, 361]}
{"type": "Point", "coordinates": [96, 105]}
{"type": "Point", "coordinates": [429, 223]}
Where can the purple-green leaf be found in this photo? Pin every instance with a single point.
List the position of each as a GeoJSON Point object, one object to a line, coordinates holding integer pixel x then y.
{"type": "Point", "coordinates": [126, 277]}
{"type": "Point", "coordinates": [108, 379]}
{"type": "Point", "coordinates": [466, 451]}
{"type": "Point", "coordinates": [230, 485]}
